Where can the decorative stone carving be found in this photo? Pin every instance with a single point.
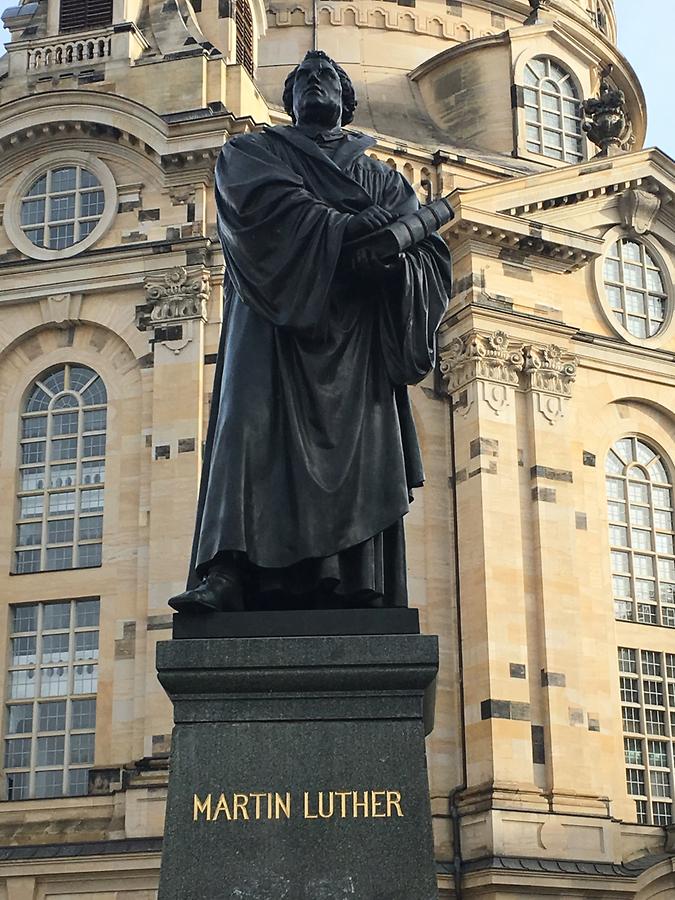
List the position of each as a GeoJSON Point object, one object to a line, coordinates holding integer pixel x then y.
{"type": "Point", "coordinates": [492, 357]}
{"type": "Point", "coordinates": [550, 369]}
{"type": "Point", "coordinates": [607, 124]}
{"type": "Point", "coordinates": [639, 209]}
{"type": "Point", "coordinates": [177, 295]}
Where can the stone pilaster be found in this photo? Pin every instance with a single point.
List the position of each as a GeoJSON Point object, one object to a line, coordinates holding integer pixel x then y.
{"type": "Point", "coordinates": [483, 372]}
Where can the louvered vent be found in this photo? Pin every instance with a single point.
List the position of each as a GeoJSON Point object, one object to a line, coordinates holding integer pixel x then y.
{"type": "Point", "coordinates": [244, 22]}
{"type": "Point", "coordinates": [83, 15]}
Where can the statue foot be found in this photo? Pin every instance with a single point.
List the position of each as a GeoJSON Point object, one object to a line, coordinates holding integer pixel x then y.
{"type": "Point", "coordinates": [218, 592]}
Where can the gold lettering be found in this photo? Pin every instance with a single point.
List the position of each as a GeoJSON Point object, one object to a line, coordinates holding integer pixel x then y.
{"type": "Point", "coordinates": [257, 798]}
{"type": "Point", "coordinates": [394, 801]}
{"type": "Point", "coordinates": [331, 808]}
{"type": "Point", "coordinates": [222, 807]}
{"type": "Point", "coordinates": [282, 806]}
{"type": "Point", "coordinates": [269, 806]}
{"type": "Point", "coordinates": [308, 815]}
{"type": "Point", "coordinates": [343, 801]}
{"type": "Point", "coordinates": [240, 805]}
{"type": "Point", "coordinates": [357, 804]}
{"type": "Point", "coordinates": [201, 808]}
{"type": "Point", "coordinates": [378, 813]}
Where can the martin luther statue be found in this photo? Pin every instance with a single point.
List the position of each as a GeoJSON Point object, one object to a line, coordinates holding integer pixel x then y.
{"type": "Point", "coordinates": [311, 451]}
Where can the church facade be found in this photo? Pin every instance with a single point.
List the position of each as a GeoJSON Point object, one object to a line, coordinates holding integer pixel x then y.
{"type": "Point", "coordinates": [541, 549]}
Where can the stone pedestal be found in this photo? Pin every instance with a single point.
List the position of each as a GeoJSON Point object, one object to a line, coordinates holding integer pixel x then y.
{"type": "Point", "coordinates": [298, 766]}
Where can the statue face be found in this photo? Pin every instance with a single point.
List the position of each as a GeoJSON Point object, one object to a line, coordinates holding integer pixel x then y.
{"type": "Point", "coordinates": [317, 94]}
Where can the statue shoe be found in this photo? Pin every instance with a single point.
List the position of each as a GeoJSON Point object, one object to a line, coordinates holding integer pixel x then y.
{"type": "Point", "coordinates": [218, 592]}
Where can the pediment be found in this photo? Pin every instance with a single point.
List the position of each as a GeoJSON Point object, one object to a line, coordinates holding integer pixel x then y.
{"type": "Point", "coordinates": [565, 213]}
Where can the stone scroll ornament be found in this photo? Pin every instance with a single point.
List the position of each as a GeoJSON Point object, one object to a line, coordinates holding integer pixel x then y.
{"type": "Point", "coordinates": [606, 118]}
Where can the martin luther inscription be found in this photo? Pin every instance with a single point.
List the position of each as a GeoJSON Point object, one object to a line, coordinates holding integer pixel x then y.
{"type": "Point", "coordinates": [274, 806]}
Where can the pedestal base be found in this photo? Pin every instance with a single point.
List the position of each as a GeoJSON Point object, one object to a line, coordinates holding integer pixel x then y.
{"type": "Point", "coordinates": [298, 768]}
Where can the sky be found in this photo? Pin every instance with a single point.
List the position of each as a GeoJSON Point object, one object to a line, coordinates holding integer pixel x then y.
{"type": "Point", "coordinates": [646, 34]}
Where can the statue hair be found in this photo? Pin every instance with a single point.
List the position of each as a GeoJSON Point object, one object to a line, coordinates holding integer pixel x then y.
{"type": "Point", "coordinates": [349, 102]}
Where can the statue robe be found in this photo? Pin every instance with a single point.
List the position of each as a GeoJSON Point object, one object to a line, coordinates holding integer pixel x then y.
{"type": "Point", "coordinates": [311, 450]}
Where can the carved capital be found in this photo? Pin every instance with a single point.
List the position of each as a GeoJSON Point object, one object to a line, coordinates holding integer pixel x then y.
{"type": "Point", "coordinates": [550, 369]}
{"type": "Point", "coordinates": [174, 296]}
{"type": "Point", "coordinates": [478, 356]}
{"type": "Point", "coordinates": [638, 210]}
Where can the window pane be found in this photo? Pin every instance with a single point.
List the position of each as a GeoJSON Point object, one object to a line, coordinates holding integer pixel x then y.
{"type": "Point", "coordinates": [34, 452]}
{"type": "Point", "coordinates": [89, 555]}
{"type": "Point", "coordinates": [52, 716]}
{"type": "Point", "coordinates": [59, 558]}
{"type": "Point", "coordinates": [84, 714]}
{"type": "Point", "coordinates": [86, 613]}
{"type": "Point", "coordinates": [60, 531]}
{"type": "Point", "coordinates": [31, 507]}
{"type": "Point", "coordinates": [63, 475]}
{"type": "Point", "coordinates": [35, 426]}
{"type": "Point", "coordinates": [49, 784]}
{"type": "Point", "coordinates": [20, 718]}
{"type": "Point", "coordinates": [95, 394]}
{"type": "Point", "coordinates": [29, 535]}
{"type": "Point", "coordinates": [95, 420]}
{"type": "Point", "coordinates": [17, 753]}
{"type": "Point", "coordinates": [33, 479]}
{"type": "Point", "coordinates": [55, 647]}
{"type": "Point", "coordinates": [54, 681]}
{"type": "Point", "coordinates": [85, 679]}
{"type": "Point", "coordinates": [65, 423]}
{"type": "Point", "coordinates": [79, 377]}
{"type": "Point", "coordinates": [62, 503]}
{"type": "Point", "coordinates": [92, 501]}
{"type": "Point", "coordinates": [93, 445]}
{"type": "Point", "coordinates": [93, 472]}
{"type": "Point", "coordinates": [64, 448]}
{"type": "Point", "coordinates": [86, 645]}
{"type": "Point", "coordinates": [27, 561]}
{"type": "Point", "coordinates": [64, 179]}
{"type": "Point", "coordinates": [22, 684]}
{"type": "Point", "coordinates": [78, 782]}
{"type": "Point", "coordinates": [17, 785]}
{"type": "Point", "coordinates": [82, 748]}
{"type": "Point", "coordinates": [23, 651]}
{"type": "Point", "coordinates": [56, 615]}
{"type": "Point", "coordinates": [50, 750]}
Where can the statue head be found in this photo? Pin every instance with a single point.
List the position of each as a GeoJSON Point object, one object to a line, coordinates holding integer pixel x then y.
{"type": "Point", "coordinates": [319, 92]}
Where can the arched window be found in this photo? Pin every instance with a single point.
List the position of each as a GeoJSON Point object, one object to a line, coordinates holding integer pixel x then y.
{"type": "Point", "coordinates": [635, 288]}
{"type": "Point", "coordinates": [552, 111]}
{"type": "Point", "coordinates": [244, 24]}
{"type": "Point", "coordinates": [640, 508]}
{"type": "Point", "coordinates": [61, 471]}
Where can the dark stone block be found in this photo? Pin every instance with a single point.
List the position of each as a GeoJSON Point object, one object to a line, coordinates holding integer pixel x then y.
{"type": "Point", "coordinates": [517, 670]}
{"type": "Point", "coordinates": [186, 445]}
{"type": "Point", "coordinates": [163, 451]}
{"type": "Point", "coordinates": [551, 474]}
{"type": "Point", "coordinates": [298, 768]}
{"type": "Point", "coordinates": [538, 748]}
{"type": "Point", "coordinates": [552, 679]}
{"type": "Point", "coordinates": [296, 623]}
{"type": "Point", "coordinates": [589, 458]}
{"type": "Point", "coordinates": [544, 495]}
{"type": "Point", "coordinates": [520, 711]}
{"type": "Point", "coordinates": [581, 521]}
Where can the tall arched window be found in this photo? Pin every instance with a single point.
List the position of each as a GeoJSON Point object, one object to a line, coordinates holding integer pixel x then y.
{"type": "Point", "coordinates": [552, 111]}
{"type": "Point", "coordinates": [61, 471]}
{"type": "Point", "coordinates": [640, 508]}
{"type": "Point", "coordinates": [244, 24]}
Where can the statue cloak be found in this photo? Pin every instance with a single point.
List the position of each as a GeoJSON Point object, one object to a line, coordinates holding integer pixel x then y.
{"type": "Point", "coordinates": [311, 447]}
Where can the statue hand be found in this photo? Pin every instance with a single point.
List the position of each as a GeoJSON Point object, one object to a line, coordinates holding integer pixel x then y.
{"type": "Point", "coordinates": [368, 221]}
{"type": "Point", "coordinates": [366, 263]}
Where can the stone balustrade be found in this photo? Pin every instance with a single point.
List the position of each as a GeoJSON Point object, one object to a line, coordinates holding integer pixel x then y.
{"type": "Point", "coordinates": [58, 53]}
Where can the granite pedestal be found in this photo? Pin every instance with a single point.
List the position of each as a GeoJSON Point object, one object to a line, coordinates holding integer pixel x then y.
{"type": "Point", "coordinates": [298, 766]}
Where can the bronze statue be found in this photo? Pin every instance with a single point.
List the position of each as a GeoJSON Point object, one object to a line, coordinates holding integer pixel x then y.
{"type": "Point", "coordinates": [311, 452]}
